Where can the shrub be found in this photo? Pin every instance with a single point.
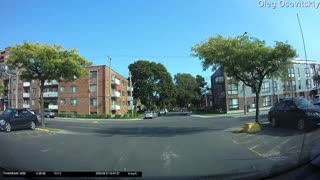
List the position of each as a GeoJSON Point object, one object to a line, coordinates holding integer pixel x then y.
{"type": "Point", "coordinates": [108, 116]}
{"type": "Point", "coordinates": [117, 116]}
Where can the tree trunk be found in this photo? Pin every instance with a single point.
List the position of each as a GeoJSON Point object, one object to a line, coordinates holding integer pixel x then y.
{"type": "Point", "coordinates": [42, 103]}
{"type": "Point", "coordinates": [257, 107]}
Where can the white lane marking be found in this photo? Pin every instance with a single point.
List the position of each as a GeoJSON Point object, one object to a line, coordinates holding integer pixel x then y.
{"type": "Point", "coordinates": [46, 150]}
{"type": "Point", "coordinates": [167, 156]}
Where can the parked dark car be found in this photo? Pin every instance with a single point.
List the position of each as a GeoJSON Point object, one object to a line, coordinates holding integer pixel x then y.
{"type": "Point", "coordinates": [12, 119]}
{"type": "Point", "coordinates": [295, 112]}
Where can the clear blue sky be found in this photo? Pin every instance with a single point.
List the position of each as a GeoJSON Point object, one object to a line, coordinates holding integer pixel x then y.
{"type": "Point", "coordinates": [157, 30]}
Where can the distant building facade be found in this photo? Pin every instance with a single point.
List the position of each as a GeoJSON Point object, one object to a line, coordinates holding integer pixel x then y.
{"type": "Point", "coordinates": [229, 94]}
{"type": "Point", "coordinates": [98, 93]}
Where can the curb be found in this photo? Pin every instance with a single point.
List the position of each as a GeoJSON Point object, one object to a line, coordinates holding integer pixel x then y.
{"type": "Point", "coordinates": [230, 115]}
{"type": "Point", "coordinates": [50, 130]}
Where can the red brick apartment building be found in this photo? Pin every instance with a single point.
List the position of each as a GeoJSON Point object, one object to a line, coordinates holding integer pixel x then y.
{"type": "Point", "coordinates": [88, 95]}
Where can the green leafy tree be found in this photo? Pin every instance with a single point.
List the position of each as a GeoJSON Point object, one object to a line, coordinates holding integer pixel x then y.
{"type": "Point", "coordinates": [202, 86]}
{"type": "Point", "coordinates": [246, 59]}
{"type": "Point", "coordinates": [153, 84]}
{"type": "Point", "coordinates": [186, 87]}
{"type": "Point", "coordinates": [47, 63]}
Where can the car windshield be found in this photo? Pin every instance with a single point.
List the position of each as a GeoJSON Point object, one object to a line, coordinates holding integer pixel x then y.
{"type": "Point", "coordinates": [8, 112]}
{"type": "Point", "coordinates": [302, 102]}
{"type": "Point", "coordinates": [172, 88]}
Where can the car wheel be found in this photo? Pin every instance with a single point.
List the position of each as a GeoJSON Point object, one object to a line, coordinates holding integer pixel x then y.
{"type": "Point", "coordinates": [7, 127]}
{"type": "Point", "coordinates": [301, 125]}
{"type": "Point", "coordinates": [274, 122]}
{"type": "Point", "coordinates": [32, 125]}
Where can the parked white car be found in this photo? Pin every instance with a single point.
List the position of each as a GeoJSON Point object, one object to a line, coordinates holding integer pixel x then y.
{"type": "Point", "coordinates": [150, 114]}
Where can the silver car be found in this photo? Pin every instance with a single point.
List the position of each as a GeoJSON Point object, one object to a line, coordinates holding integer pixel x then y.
{"type": "Point", "coordinates": [48, 113]}
{"type": "Point", "coordinates": [149, 114]}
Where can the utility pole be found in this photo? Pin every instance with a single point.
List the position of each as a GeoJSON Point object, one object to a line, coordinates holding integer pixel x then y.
{"type": "Point", "coordinates": [17, 87]}
{"type": "Point", "coordinates": [131, 89]}
{"type": "Point", "coordinates": [110, 84]}
{"type": "Point", "coordinates": [244, 99]}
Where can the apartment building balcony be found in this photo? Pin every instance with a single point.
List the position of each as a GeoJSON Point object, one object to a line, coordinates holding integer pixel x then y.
{"type": "Point", "coordinates": [129, 88]}
{"type": "Point", "coordinates": [115, 81]}
{"type": "Point", "coordinates": [115, 94]}
{"type": "Point", "coordinates": [26, 84]}
{"type": "Point", "coordinates": [26, 95]}
{"type": "Point", "coordinates": [130, 98]}
{"type": "Point", "coordinates": [53, 107]}
{"type": "Point", "coordinates": [26, 106]}
{"type": "Point", "coordinates": [50, 83]}
{"type": "Point", "coordinates": [115, 107]}
{"type": "Point", "coordinates": [50, 94]}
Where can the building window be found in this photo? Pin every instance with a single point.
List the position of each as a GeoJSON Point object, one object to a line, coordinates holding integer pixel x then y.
{"type": "Point", "coordinates": [301, 94]}
{"type": "Point", "coordinates": [19, 91]}
{"type": "Point", "coordinates": [92, 113]}
{"type": "Point", "coordinates": [308, 83]}
{"type": "Point", "coordinates": [54, 89]}
{"type": "Point", "coordinates": [307, 72]}
{"type": "Point", "coordinates": [298, 72]}
{"type": "Point", "coordinates": [266, 101]}
{"type": "Point", "coordinates": [93, 88]}
{"type": "Point", "coordinates": [73, 102]}
{"type": "Point", "coordinates": [289, 86]}
{"type": "Point", "coordinates": [93, 74]}
{"type": "Point", "coordinates": [20, 101]}
{"type": "Point", "coordinates": [299, 84]}
{"type": "Point", "coordinates": [93, 102]}
{"type": "Point", "coordinates": [34, 91]}
{"type": "Point", "coordinates": [232, 88]}
{"type": "Point", "coordinates": [265, 87]}
{"type": "Point", "coordinates": [123, 93]}
{"type": "Point", "coordinates": [253, 91]}
{"type": "Point", "coordinates": [33, 102]}
{"type": "Point", "coordinates": [73, 89]}
{"type": "Point", "coordinates": [14, 82]}
{"type": "Point", "coordinates": [62, 101]}
{"type": "Point", "coordinates": [26, 101]}
{"type": "Point", "coordinates": [291, 72]}
{"type": "Point", "coordinates": [74, 113]}
{"type": "Point", "coordinates": [233, 104]}
{"type": "Point", "coordinates": [253, 102]}
{"type": "Point", "coordinates": [275, 86]}
{"type": "Point", "coordinates": [62, 89]}
{"type": "Point", "coordinates": [293, 83]}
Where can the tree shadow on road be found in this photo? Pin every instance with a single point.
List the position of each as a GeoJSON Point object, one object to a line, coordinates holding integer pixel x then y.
{"type": "Point", "coordinates": [154, 131]}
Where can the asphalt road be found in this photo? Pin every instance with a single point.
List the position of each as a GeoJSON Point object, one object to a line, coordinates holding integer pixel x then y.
{"type": "Point", "coordinates": [168, 146]}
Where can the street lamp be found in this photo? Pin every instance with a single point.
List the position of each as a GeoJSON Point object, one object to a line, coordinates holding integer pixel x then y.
{"type": "Point", "coordinates": [244, 89]}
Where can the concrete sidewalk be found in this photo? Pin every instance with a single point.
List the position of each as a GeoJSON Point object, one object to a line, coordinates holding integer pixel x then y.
{"type": "Point", "coordinates": [249, 114]}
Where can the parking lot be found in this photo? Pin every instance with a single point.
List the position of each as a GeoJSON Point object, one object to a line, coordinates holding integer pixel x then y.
{"type": "Point", "coordinates": [276, 143]}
